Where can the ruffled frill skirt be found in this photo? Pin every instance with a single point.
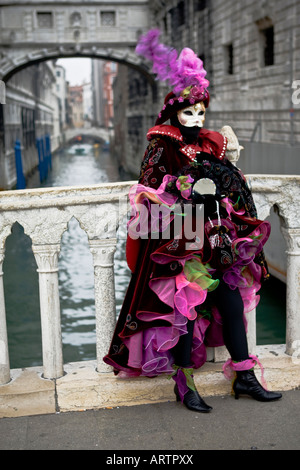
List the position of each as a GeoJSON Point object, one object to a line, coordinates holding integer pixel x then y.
{"type": "Point", "coordinates": [187, 294]}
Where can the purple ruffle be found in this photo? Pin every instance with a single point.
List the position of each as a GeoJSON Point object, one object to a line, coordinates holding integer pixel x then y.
{"type": "Point", "coordinates": [141, 198]}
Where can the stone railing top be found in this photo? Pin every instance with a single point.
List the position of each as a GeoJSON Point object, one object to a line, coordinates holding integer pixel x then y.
{"type": "Point", "coordinates": [63, 196]}
{"type": "Point", "coordinates": [44, 213]}
{"type": "Point", "coordinates": [280, 190]}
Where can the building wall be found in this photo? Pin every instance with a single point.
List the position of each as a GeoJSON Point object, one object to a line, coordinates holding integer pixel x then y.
{"type": "Point", "coordinates": [61, 89]}
{"type": "Point", "coordinates": [251, 51]}
{"type": "Point", "coordinates": [31, 110]}
{"type": "Point", "coordinates": [255, 95]}
{"type": "Point", "coordinates": [251, 67]}
{"type": "Point", "coordinates": [120, 91]}
{"type": "Point", "coordinates": [135, 111]}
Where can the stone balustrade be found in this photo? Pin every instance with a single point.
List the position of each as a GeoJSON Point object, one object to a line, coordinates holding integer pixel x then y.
{"type": "Point", "coordinates": [44, 214]}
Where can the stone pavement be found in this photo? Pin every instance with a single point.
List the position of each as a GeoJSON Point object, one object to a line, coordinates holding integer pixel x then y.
{"type": "Point", "coordinates": [243, 424]}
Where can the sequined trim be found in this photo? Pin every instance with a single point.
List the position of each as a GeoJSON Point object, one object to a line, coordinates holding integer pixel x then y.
{"type": "Point", "coordinates": [165, 132]}
{"type": "Point", "coordinates": [222, 154]}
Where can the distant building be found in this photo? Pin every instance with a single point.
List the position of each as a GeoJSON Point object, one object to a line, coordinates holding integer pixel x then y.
{"type": "Point", "coordinates": [87, 95]}
{"type": "Point", "coordinates": [61, 90]}
{"type": "Point", "coordinates": [103, 75]}
{"type": "Point", "coordinates": [75, 96]}
{"type": "Point", "coordinates": [109, 74]}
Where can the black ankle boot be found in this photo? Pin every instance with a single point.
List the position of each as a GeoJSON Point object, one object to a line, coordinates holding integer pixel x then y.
{"type": "Point", "coordinates": [185, 390]}
{"type": "Point", "coordinates": [193, 401]}
{"type": "Point", "coordinates": [247, 384]}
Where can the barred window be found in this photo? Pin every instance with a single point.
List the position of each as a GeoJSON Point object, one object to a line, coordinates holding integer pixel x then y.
{"type": "Point", "coordinates": [108, 18]}
{"type": "Point", "coordinates": [44, 19]}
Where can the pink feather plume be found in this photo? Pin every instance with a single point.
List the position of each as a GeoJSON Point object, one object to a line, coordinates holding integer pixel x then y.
{"type": "Point", "coordinates": [180, 72]}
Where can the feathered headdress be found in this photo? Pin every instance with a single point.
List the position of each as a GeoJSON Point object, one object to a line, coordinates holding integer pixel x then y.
{"type": "Point", "coordinates": [184, 74]}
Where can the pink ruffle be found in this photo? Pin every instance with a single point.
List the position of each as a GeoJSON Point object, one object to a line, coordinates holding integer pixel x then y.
{"type": "Point", "coordinates": [180, 293]}
{"type": "Point", "coordinates": [150, 349]}
{"type": "Point", "coordinates": [230, 367]}
{"type": "Point", "coordinates": [141, 198]}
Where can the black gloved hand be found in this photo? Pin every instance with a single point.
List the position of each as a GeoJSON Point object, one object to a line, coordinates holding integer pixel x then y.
{"type": "Point", "coordinates": [209, 201]}
{"type": "Point", "coordinates": [200, 156]}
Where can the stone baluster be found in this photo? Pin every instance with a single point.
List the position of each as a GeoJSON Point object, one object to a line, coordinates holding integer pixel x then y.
{"type": "Point", "coordinates": [103, 258]}
{"type": "Point", "coordinates": [4, 356]}
{"type": "Point", "coordinates": [47, 261]}
{"type": "Point", "coordinates": [292, 237]}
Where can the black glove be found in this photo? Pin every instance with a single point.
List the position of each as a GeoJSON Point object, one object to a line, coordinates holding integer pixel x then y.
{"type": "Point", "coordinates": [200, 156]}
{"type": "Point", "coordinates": [209, 201]}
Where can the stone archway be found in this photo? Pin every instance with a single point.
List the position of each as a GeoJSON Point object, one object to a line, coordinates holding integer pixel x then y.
{"type": "Point", "coordinates": [10, 65]}
{"type": "Point", "coordinates": [31, 32]}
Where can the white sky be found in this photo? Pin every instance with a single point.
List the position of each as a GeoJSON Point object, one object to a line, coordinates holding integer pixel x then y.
{"type": "Point", "coordinates": [78, 70]}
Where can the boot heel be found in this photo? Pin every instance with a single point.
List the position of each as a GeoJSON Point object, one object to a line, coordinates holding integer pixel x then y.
{"type": "Point", "coordinates": [247, 384]}
{"type": "Point", "coordinates": [176, 393]}
{"type": "Point", "coordinates": [236, 396]}
{"type": "Point", "coordinates": [193, 401]}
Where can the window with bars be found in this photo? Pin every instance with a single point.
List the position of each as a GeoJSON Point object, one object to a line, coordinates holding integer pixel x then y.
{"type": "Point", "coordinates": [108, 18]}
{"type": "Point", "coordinates": [44, 19]}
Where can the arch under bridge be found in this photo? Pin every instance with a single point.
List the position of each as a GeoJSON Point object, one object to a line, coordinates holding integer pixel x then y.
{"type": "Point", "coordinates": [98, 134]}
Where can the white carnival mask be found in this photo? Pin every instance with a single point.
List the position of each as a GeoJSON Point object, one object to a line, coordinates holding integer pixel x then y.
{"type": "Point", "coordinates": [192, 116]}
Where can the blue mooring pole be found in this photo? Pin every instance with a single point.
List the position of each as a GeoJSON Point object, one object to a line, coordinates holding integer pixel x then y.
{"type": "Point", "coordinates": [21, 182]}
{"type": "Point", "coordinates": [44, 153]}
{"type": "Point", "coordinates": [38, 146]}
{"type": "Point", "coordinates": [48, 151]}
{"type": "Point", "coordinates": [45, 164]}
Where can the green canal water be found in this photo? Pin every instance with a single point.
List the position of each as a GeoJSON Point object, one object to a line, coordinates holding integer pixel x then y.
{"type": "Point", "coordinates": [76, 275]}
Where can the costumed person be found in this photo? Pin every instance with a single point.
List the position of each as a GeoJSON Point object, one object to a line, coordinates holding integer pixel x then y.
{"type": "Point", "coordinates": [192, 282]}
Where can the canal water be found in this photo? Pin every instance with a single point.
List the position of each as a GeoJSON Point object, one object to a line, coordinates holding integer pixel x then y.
{"type": "Point", "coordinates": [76, 286]}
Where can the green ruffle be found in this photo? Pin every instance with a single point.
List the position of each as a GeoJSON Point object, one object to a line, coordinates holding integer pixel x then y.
{"type": "Point", "coordinates": [188, 372]}
{"type": "Point", "coordinates": [195, 271]}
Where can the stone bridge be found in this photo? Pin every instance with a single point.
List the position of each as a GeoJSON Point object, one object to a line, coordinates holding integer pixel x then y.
{"type": "Point", "coordinates": [33, 31]}
{"type": "Point", "coordinates": [44, 214]}
{"type": "Point", "coordinates": [96, 133]}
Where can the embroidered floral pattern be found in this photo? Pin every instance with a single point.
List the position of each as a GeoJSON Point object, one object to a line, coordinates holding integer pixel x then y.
{"type": "Point", "coordinates": [156, 156]}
